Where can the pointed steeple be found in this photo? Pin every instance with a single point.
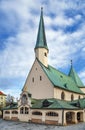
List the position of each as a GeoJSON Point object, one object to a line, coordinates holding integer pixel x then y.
{"type": "Point", "coordinates": [75, 76]}
{"type": "Point", "coordinates": [41, 38]}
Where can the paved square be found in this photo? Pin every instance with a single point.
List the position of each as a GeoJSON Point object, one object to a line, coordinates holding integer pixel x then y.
{"type": "Point", "coordinates": [11, 125]}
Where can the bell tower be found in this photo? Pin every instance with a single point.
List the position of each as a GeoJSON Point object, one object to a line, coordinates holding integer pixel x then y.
{"type": "Point", "coordinates": [41, 48]}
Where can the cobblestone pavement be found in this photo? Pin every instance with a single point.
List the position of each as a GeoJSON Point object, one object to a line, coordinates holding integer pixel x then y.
{"type": "Point", "coordinates": [11, 125]}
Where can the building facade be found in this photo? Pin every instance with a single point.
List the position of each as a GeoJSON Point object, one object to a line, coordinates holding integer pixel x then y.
{"type": "Point", "coordinates": [48, 96]}
{"type": "Point", "coordinates": [2, 99]}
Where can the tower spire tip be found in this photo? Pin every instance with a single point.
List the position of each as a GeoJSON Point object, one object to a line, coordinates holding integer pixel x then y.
{"type": "Point", "coordinates": [71, 62]}
{"type": "Point", "coordinates": [41, 8]}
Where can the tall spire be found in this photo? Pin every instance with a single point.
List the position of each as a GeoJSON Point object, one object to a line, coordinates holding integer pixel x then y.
{"type": "Point", "coordinates": [41, 38]}
{"type": "Point", "coordinates": [75, 76]}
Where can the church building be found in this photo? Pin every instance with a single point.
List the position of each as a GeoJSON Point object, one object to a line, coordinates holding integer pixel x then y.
{"type": "Point", "coordinates": [48, 96]}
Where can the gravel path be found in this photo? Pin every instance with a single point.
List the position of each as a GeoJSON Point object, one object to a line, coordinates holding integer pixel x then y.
{"type": "Point", "coordinates": [11, 125]}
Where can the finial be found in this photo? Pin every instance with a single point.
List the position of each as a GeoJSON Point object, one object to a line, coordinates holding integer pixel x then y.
{"type": "Point", "coordinates": [41, 8]}
{"type": "Point", "coordinates": [71, 62]}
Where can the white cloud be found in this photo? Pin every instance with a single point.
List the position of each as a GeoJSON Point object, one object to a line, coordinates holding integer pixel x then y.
{"type": "Point", "coordinates": [18, 56]}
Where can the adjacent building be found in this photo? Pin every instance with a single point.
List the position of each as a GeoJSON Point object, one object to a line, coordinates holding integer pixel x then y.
{"type": "Point", "coordinates": [48, 96]}
{"type": "Point", "coordinates": [2, 99]}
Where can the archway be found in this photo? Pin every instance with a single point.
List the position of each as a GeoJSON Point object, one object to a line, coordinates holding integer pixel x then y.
{"type": "Point", "coordinates": [80, 116]}
{"type": "Point", "coordinates": [70, 117]}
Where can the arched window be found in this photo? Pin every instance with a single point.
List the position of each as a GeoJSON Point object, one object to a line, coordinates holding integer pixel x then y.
{"type": "Point", "coordinates": [45, 54]}
{"type": "Point", "coordinates": [7, 112]}
{"type": "Point", "coordinates": [40, 77]}
{"type": "Point", "coordinates": [62, 95]}
{"type": "Point", "coordinates": [14, 112]}
{"type": "Point", "coordinates": [33, 79]}
{"type": "Point", "coordinates": [21, 110]}
{"type": "Point", "coordinates": [51, 114]}
{"type": "Point", "coordinates": [36, 113]}
{"type": "Point", "coordinates": [26, 110]}
{"type": "Point", "coordinates": [79, 96]}
{"type": "Point", "coordinates": [24, 99]}
{"type": "Point", "coordinates": [72, 97]}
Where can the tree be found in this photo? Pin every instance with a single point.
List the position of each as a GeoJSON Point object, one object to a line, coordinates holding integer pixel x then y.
{"type": "Point", "coordinates": [9, 100]}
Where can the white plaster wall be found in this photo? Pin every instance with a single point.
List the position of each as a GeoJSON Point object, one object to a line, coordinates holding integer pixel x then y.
{"type": "Point", "coordinates": [44, 117]}
{"type": "Point", "coordinates": [83, 89]}
{"type": "Point", "coordinates": [39, 88]}
{"type": "Point", "coordinates": [39, 53]}
{"type": "Point", "coordinates": [57, 94]}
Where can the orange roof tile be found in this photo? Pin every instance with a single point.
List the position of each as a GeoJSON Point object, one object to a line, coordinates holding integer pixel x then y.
{"type": "Point", "coordinates": [1, 93]}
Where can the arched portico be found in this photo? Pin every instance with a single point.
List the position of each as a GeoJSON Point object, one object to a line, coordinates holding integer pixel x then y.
{"type": "Point", "coordinates": [70, 117]}
{"type": "Point", "coordinates": [80, 117]}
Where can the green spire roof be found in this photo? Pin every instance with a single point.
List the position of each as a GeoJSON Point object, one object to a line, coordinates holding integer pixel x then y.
{"type": "Point", "coordinates": [41, 38]}
{"type": "Point", "coordinates": [75, 77]}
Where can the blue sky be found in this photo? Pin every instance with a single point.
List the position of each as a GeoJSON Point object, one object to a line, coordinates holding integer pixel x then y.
{"type": "Point", "coordinates": [65, 32]}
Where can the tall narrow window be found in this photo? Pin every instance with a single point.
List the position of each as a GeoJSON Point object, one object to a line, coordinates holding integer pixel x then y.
{"type": "Point", "coordinates": [72, 97]}
{"type": "Point", "coordinates": [33, 79]}
{"type": "Point", "coordinates": [26, 110]}
{"type": "Point", "coordinates": [62, 95]}
{"type": "Point", "coordinates": [45, 54]}
{"type": "Point", "coordinates": [40, 77]}
{"type": "Point", "coordinates": [79, 96]}
{"type": "Point", "coordinates": [21, 110]}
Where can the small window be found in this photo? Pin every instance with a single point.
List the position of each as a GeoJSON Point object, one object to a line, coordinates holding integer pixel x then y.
{"type": "Point", "coordinates": [51, 114]}
{"type": "Point", "coordinates": [62, 95]}
{"type": "Point", "coordinates": [1, 97]}
{"type": "Point", "coordinates": [79, 96]}
{"type": "Point", "coordinates": [14, 112]}
{"type": "Point", "coordinates": [26, 110]}
{"type": "Point", "coordinates": [32, 79]}
{"type": "Point", "coordinates": [61, 76]}
{"type": "Point", "coordinates": [45, 54]}
{"type": "Point", "coordinates": [65, 85]}
{"type": "Point", "coordinates": [21, 110]}
{"type": "Point", "coordinates": [24, 99]}
{"type": "Point", "coordinates": [36, 113]}
{"type": "Point", "coordinates": [1, 103]}
{"type": "Point", "coordinates": [7, 112]}
{"type": "Point", "coordinates": [72, 97]}
{"type": "Point", "coordinates": [40, 77]}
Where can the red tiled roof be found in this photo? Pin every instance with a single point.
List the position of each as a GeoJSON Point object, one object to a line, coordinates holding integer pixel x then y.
{"type": "Point", "coordinates": [1, 93]}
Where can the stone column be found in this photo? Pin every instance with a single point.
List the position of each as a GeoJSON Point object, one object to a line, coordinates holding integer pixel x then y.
{"type": "Point", "coordinates": [43, 117]}
{"type": "Point", "coordinates": [64, 118]}
{"type": "Point", "coordinates": [84, 116]}
{"type": "Point", "coordinates": [74, 118]}
{"type": "Point", "coordinates": [10, 114]}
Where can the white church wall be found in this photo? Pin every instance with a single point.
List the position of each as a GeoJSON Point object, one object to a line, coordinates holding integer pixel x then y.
{"type": "Point", "coordinates": [38, 84]}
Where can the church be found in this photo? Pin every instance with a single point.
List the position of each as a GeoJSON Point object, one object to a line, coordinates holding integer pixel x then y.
{"type": "Point", "coordinates": [48, 95]}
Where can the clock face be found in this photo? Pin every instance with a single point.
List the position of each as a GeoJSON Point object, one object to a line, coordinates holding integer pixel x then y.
{"type": "Point", "coordinates": [24, 99]}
